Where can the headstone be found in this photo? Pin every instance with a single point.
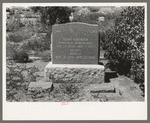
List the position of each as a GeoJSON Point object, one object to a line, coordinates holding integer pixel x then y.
{"type": "Point", "coordinates": [75, 54]}
{"type": "Point", "coordinates": [75, 43]}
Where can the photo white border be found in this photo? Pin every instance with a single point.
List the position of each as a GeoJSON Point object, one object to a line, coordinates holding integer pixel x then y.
{"type": "Point", "coordinates": [74, 110]}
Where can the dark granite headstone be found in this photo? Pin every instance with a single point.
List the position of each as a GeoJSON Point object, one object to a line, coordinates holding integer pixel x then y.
{"type": "Point", "coordinates": [75, 43]}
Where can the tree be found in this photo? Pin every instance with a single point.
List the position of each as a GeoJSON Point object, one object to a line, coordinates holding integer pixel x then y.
{"type": "Point", "coordinates": [49, 15]}
{"type": "Point", "coordinates": [125, 43]}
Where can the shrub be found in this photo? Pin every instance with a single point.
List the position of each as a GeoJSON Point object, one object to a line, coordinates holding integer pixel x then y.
{"type": "Point", "coordinates": [50, 15]}
{"type": "Point", "coordinates": [37, 43]}
{"type": "Point", "coordinates": [14, 23]}
{"type": "Point", "coordinates": [125, 43]}
{"type": "Point", "coordinates": [21, 56]}
{"type": "Point", "coordinates": [11, 49]}
{"type": "Point", "coordinates": [29, 15]}
{"type": "Point", "coordinates": [21, 34]}
{"type": "Point", "coordinates": [94, 9]}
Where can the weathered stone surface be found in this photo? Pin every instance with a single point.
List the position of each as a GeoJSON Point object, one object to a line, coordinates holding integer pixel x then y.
{"type": "Point", "coordinates": [38, 74]}
{"type": "Point", "coordinates": [13, 91]}
{"type": "Point", "coordinates": [39, 79]}
{"type": "Point", "coordinates": [7, 70]}
{"type": "Point", "coordinates": [74, 73]}
{"type": "Point", "coordinates": [25, 75]}
{"type": "Point", "coordinates": [75, 43]}
{"type": "Point", "coordinates": [104, 87]}
{"type": "Point", "coordinates": [17, 70]}
{"type": "Point", "coordinates": [16, 79]}
{"type": "Point", "coordinates": [41, 85]}
{"type": "Point", "coordinates": [35, 58]}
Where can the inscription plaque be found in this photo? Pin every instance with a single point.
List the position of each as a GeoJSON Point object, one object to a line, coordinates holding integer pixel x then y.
{"type": "Point", "coordinates": [75, 43]}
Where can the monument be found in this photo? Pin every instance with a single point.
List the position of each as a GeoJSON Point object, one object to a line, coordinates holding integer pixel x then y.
{"type": "Point", "coordinates": [75, 43]}
{"type": "Point", "coordinates": [75, 53]}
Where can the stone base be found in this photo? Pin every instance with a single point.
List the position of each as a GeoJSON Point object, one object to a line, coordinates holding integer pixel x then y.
{"type": "Point", "coordinates": [74, 73]}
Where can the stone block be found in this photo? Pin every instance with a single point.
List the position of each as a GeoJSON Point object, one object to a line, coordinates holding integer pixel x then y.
{"type": "Point", "coordinates": [74, 73]}
{"type": "Point", "coordinates": [42, 85]}
{"type": "Point", "coordinates": [104, 87]}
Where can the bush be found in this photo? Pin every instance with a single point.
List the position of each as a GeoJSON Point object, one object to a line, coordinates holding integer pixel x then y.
{"type": "Point", "coordinates": [14, 23]}
{"type": "Point", "coordinates": [94, 9]}
{"type": "Point", "coordinates": [124, 43]}
{"type": "Point", "coordinates": [21, 56]}
{"type": "Point", "coordinates": [36, 43]}
{"type": "Point", "coordinates": [11, 49]}
{"type": "Point", "coordinates": [30, 15]}
{"type": "Point", "coordinates": [20, 35]}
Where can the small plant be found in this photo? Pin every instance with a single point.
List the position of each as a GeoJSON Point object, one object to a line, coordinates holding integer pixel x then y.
{"type": "Point", "coordinates": [21, 56]}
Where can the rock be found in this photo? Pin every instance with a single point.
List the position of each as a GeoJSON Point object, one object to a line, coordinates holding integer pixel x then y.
{"type": "Point", "coordinates": [8, 83]}
{"type": "Point", "coordinates": [39, 95]}
{"type": "Point", "coordinates": [7, 70]}
{"type": "Point", "coordinates": [16, 79]}
{"type": "Point", "coordinates": [18, 84]}
{"type": "Point", "coordinates": [104, 87]}
{"type": "Point", "coordinates": [28, 93]}
{"type": "Point", "coordinates": [84, 100]}
{"type": "Point", "coordinates": [103, 98]}
{"type": "Point", "coordinates": [20, 96]}
{"type": "Point", "coordinates": [38, 74]}
{"type": "Point", "coordinates": [35, 58]}
{"type": "Point", "coordinates": [13, 91]}
{"type": "Point", "coordinates": [29, 78]}
{"type": "Point", "coordinates": [43, 85]}
{"type": "Point", "coordinates": [8, 90]}
{"type": "Point", "coordinates": [25, 84]}
{"type": "Point", "coordinates": [17, 70]}
{"type": "Point", "coordinates": [25, 75]}
{"type": "Point", "coordinates": [8, 78]}
{"type": "Point", "coordinates": [47, 98]}
{"type": "Point", "coordinates": [40, 79]}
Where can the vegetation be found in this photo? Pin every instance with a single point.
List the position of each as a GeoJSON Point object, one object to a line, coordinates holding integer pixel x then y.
{"type": "Point", "coordinates": [21, 56]}
{"type": "Point", "coordinates": [124, 43]}
{"type": "Point", "coordinates": [121, 34]}
{"type": "Point", "coordinates": [14, 23]}
{"type": "Point", "coordinates": [52, 15]}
